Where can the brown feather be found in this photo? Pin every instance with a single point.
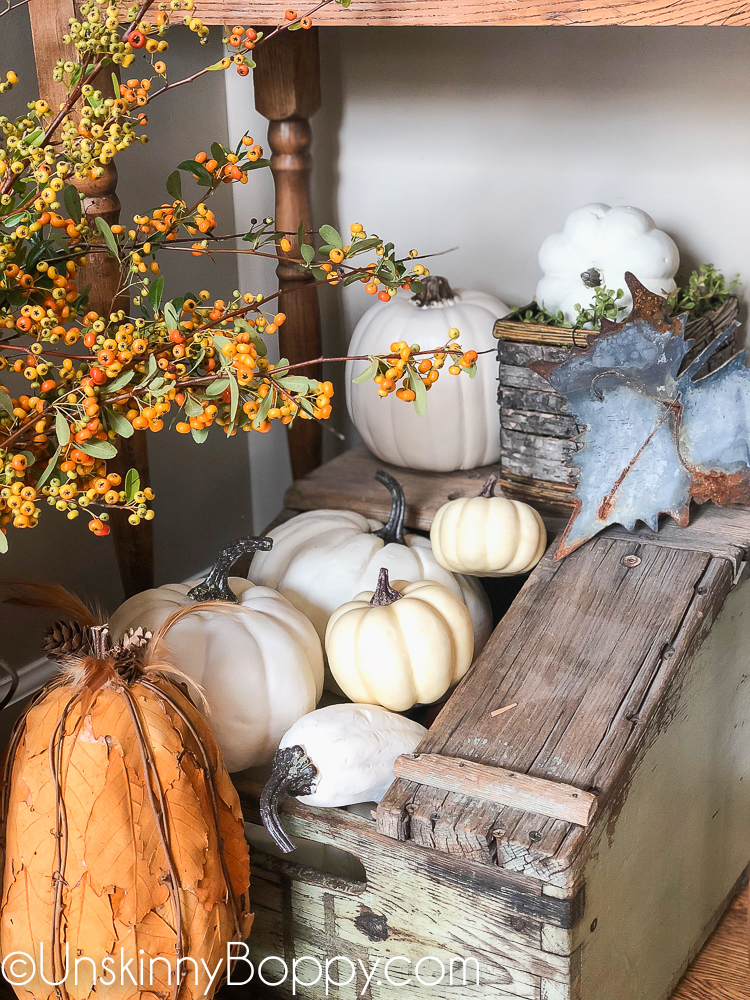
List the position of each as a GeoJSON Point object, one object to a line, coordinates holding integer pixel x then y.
{"type": "Point", "coordinates": [53, 596]}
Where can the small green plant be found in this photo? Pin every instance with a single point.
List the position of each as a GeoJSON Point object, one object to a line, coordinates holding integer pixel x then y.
{"type": "Point", "coordinates": [706, 289]}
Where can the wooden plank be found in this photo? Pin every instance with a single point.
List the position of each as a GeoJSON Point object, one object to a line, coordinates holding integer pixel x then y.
{"type": "Point", "coordinates": [500, 785]}
{"type": "Point", "coordinates": [560, 425]}
{"type": "Point", "coordinates": [349, 482]}
{"type": "Point", "coordinates": [491, 12]}
{"type": "Point", "coordinates": [721, 970]}
{"type": "Point", "coordinates": [579, 705]}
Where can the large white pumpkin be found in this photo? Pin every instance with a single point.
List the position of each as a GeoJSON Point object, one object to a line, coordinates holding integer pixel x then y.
{"type": "Point", "coordinates": [597, 246]}
{"type": "Point", "coordinates": [323, 558]}
{"type": "Point", "coordinates": [401, 645]}
{"type": "Point", "coordinates": [460, 428]}
{"type": "Point", "coordinates": [259, 661]}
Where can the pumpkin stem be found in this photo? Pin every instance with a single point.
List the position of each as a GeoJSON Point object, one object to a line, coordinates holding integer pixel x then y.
{"type": "Point", "coordinates": [592, 278]}
{"type": "Point", "coordinates": [216, 585]}
{"type": "Point", "coordinates": [488, 490]}
{"type": "Point", "coordinates": [435, 291]}
{"type": "Point", "coordinates": [292, 773]}
{"type": "Point", "coordinates": [393, 530]}
{"type": "Point", "coordinates": [384, 594]}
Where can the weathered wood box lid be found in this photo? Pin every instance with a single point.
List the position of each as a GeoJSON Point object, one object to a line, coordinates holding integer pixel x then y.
{"type": "Point", "coordinates": [588, 653]}
{"type": "Point", "coordinates": [617, 787]}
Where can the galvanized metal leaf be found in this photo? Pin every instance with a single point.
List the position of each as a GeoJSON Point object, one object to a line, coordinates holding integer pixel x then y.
{"type": "Point", "coordinates": [656, 436]}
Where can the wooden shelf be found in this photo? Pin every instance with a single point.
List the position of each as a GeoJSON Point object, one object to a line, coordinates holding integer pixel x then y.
{"type": "Point", "coordinates": [485, 13]}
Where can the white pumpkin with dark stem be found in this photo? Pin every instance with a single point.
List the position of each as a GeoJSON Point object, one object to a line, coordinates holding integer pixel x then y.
{"type": "Point", "coordinates": [257, 658]}
{"type": "Point", "coordinates": [487, 535]}
{"type": "Point", "coordinates": [323, 558]}
{"type": "Point", "coordinates": [400, 645]}
{"type": "Point", "coordinates": [337, 756]}
{"type": "Point", "coordinates": [460, 428]}
{"type": "Point", "coordinates": [597, 246]}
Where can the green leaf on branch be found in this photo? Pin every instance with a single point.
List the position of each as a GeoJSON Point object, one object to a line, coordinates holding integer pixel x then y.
{"type": "Point", "coordinates": [132, 484]}
{"type": "Point", "coordinates": [45, 476]}
{"type": "Point", "coordinates": [420, 393]}
{"type": "Point", "coordinates": [199, 434]}
{"type": "Point", "coordinates": [359, 246]}
{"type": "Point", "coordinates": [98, 449]}
{"type": "Point", "coordinates": [297, 383]}
{"type": "Point", "coordinates": [218, 153]}
{"type": "Point", "coordinates": [198, 170]}
{"type": "Point", "coordinates": [257, 164]}
{"type": "Point", "coordinates": [6, 403]}
{"type": "Point", "coordinates": [109, 236]}
{"type": "Point", "coordinates": [155, 293]}
{"type": "Point", "coordinates": [36, 137]}
{"type": "Point", "coordinates": [171, 315]}
{"type": "Point", "coordinates": [174, 185]}
{"type": "Point", "coordinates": [234, 397]}
{"type": "Point", "coordinates": [3, 542]}
{"type": "Point", "coordinates": [119, 423]}
{"type": "Point", "coordinates": [308, 253]}
{"type": "Point", "coordinates": [265, 406]}
{"type": "Point", "coordinates": [294, 27]}
{"type": "Point", "coordinates": [216, 388]}
{"type": "Point", "coordinates": [62, 429]}
{"type": "Point", "coordinates": [331, 236]}
{"type": "Point", "coordinates": [120, 381]}
{"type": "Point", "coordinates": [192, 407]}
{"type": "Point", "coordinates": [370, 372]}
{"type": "Point", "coordinates": [72, 201]}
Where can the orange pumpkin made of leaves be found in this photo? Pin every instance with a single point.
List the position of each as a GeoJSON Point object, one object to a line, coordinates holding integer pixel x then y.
{"type": "Point", "coordinates": [124, 840]}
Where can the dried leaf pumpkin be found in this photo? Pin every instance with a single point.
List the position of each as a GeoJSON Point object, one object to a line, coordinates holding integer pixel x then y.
{"type": "Point", "coordinates": [124, 839]}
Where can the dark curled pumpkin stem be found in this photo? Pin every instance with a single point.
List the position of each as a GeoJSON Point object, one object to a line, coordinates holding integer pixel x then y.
{"type": "Point", "coordinates": [393, 530]}
{"type": "Point", "coordinates": [384, 594]}
{"type": "Point", "coordinates": [216, 585]}
{"type": "Point", "coordinates": [488, 490]}
{"type": "Point", "coordinates": [292, 773]}
{"type": "Point", "coordinates": [435, 291]}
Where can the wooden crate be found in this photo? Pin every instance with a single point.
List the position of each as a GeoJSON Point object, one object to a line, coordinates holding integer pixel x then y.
{"type": "Point", "coordinates": [537, 432]}
{"type": "Point", "coordinates": [628, 664]}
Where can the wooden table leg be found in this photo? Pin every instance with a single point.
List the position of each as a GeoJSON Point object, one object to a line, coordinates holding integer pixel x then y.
{"type": "Point", "coordinates": [287, 92]}
{"type": "Point", "coordinates": [49, 22]}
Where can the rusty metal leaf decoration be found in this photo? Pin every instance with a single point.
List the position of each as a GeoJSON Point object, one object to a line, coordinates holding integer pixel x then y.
{"type": "Point", "coordinates": [656, 437]}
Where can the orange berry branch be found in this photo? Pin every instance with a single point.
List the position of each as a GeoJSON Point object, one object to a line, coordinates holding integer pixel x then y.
{"type": "Point", "coordinates": [76, 382]}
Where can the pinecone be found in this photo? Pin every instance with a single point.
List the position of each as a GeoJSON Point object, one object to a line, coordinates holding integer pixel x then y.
{"type": "Point", "coordinates": [65, 639]}
{"type": "Point", "coordinates": [129, 653]}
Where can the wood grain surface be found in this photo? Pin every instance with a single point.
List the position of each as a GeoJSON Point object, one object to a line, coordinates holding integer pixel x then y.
{"type": "Point", "coordinates": [721, 971]}
{"type": "Point", "coordinates": [489, 12]}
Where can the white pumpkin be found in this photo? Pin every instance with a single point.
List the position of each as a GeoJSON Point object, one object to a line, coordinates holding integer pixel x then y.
{"type": "Point", "coordinates": [460, 428]}
{"type": "Point", "coordinates": [597, 246]}
{"type": "Point", "coordinates": [488, 535]}
{"type": "Point", "coordinates": [337, 756]}
{"type": "Point", "coordinates": [322, 558]}
{"type": "Point", "coordinates": [259, 661]}
{"type": "Point", "coordinates": [401, 645]}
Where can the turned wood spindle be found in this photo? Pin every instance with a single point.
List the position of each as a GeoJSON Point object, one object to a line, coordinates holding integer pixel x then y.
{"type": "Point", "coordinates": [287, 92]}
{"type": "Point", "coordinates": [49, 22]}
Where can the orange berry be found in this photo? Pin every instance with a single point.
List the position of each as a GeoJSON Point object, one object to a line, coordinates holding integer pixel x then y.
{"type": "Point", "coordinates": [290, 15]}
{"type": "Point", "coordinates": [306, 23]}
{"type": "Point", "coordinates": [284, 245]}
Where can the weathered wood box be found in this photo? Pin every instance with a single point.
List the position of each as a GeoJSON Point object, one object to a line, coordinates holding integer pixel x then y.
{"type": "Point", "coordinates": [537, 431]}
{"type": "Point", "coordinates": [629, 665]}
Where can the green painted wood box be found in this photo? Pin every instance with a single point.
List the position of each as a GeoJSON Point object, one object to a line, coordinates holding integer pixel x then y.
{"type": "Point", "coordinates": [628, 663]}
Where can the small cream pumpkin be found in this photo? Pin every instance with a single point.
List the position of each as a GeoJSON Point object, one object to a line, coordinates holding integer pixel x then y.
{"type": "Point", "coordinates": [401, 645]}
{"type": "Point", "coordinates": [487, 535]}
